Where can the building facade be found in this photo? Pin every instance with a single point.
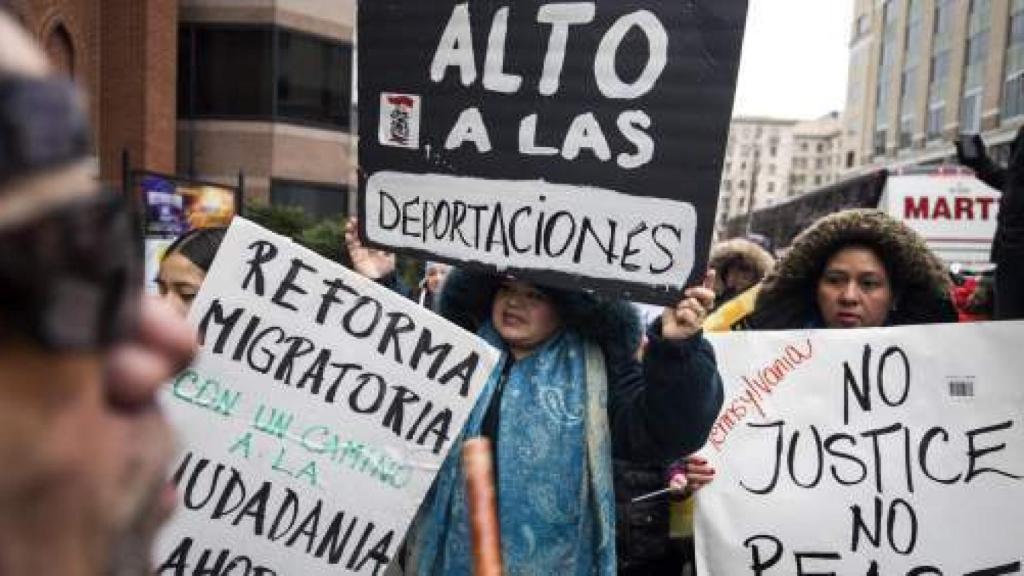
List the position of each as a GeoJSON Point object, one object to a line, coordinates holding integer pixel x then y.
{"type": "Point", "coordinates": [924, 71]}
{"type": "Point", "coordinates": [265, 90]}
{"type": "Point", "coordinates": [769, 160]}
{"type": "Point", "coordinates": [124, 55]}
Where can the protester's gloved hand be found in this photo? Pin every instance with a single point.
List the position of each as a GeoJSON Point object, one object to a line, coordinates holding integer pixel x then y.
{"type": "Point", "coordinates": [970, 152]}
{"type": "Point", "coordinates": [373, 264]}
{"type": "Point", "coordinates": [685, 318]}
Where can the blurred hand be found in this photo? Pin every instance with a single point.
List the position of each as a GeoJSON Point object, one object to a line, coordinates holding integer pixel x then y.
{"type": "Point", "coordinates": [685, 319]}
{"type": "Point", "coordinates": [371, 263]}
{"type": "Point", "coordinates": [698, 473]}
{"type": "Point", "coordinates": [677, 484]}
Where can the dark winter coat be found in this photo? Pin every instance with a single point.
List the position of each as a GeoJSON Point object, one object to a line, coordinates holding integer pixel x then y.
{"type": "Point", "coordinates": [1008, 244]}
{"type": "Point", "coordinates": [788, 297]}
{"type": "Point", "coordinates": [656, 410]}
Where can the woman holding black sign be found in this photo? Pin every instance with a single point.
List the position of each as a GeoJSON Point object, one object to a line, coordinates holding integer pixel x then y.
{"type": "Point", "coordinates": [568, 394]}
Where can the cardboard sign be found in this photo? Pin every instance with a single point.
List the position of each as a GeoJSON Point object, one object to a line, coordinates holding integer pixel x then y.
{"type": "Point", "coordinates": [896, 451]}
{"type": "Point", "coordinates": [315, 419]}
{"type": "Point", "coordinates": [577, 144]}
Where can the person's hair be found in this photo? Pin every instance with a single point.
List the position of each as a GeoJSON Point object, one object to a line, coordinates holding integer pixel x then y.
{"type": "Point", "coordinates": [199, 246]}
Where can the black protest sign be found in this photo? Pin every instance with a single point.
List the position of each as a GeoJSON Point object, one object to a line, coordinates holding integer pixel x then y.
{"type": "Point", "coordinates": [575, 143]}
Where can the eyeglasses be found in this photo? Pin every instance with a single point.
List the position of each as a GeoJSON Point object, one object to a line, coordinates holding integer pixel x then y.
{"type": "Point", "coordinates": [71, 279]}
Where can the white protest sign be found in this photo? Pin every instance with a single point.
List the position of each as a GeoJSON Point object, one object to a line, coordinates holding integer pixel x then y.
{"type": "Point", "coordinates": [315, 419]}
{"type": "Point", "coordinates": [895, 451]}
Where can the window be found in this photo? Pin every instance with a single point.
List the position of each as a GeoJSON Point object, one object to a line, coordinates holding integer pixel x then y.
{"type": "Point", "coordinates": [863, 24]}
{"type": "Point", "coordinates": [1013, 87]}
{"type": "Point", "coordinates": [908, 79]}
{"type": "Point", "coordinates": [772, 151]}
{"type": "Point", "coordinates": [851, 158]}
{"type": "Point", "coordinates": [820, 148]}
{"type": "Point", "coordinates": [771, 187]}
{"type": "Point", "coordinates": [743, 184]}
{"type": "Point", "coordinates": [817, 180]}
{"type": "Point", "coordinates": [314, 79]}
{"type": "Point", "coordinates": [232, 71]}
{"type": "Point", "coordinates": [819, 163]}
{"type": "Point", "coordinates": [979, 21]}
{"type": "Point", "coordinates": [61, 51]}
{"type": "Point", "coordinates": [915, 25]}
{"type": "Point", "coordinates": [771, 169]}
{"type": "Point", "coordinates": [907, 95]}
{"type": "Point", "coordinates": [1013, 96]}
{"type": "Point", "coordinates": [970, 113]}
{"type": "Point", "coordinates": [887, 55]}
{"type": "Point", "coordinates": [728, 185]}
{"type": "Point", "coordinates": [231, 75]}
{"type": "Point", "coordinates": [318, 201]}
{"type": "Point", "coordinates": [936, 119]}
{"type": "Point", "coordinates": [906, 132]}
{"type": "Point", "coordinates": [880, 141]}
{"type": "Point", "coordinates": [803, 146]}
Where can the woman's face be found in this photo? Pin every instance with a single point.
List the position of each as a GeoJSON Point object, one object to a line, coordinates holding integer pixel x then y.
{"type": "Point", "coordinates": [854, 290]}
{"type": "Point", "coordinates": [179, 281]}
{"type": "Point", "coordinates": [523, 316]}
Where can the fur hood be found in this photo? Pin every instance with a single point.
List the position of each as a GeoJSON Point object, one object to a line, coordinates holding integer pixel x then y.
{"type": "Point", "coordinates": [787, 299]}
{"type": "Point", "coordinates": [467, 296]}
{"type": "Point", "coordinates": [739, 249]}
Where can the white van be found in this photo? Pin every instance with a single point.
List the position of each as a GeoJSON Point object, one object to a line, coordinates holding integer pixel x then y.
{"type": "Point", "coordinates": [952, 209]}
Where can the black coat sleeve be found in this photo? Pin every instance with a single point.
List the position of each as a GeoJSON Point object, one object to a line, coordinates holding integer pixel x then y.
{"type": "Point", "coordinates": [665, 407]}
{"type": "Point", "coordinates": [1008, 244]}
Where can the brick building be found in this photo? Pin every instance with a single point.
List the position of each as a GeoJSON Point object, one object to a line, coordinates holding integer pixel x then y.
{"type": "Point", "coordinates": [209, 89]}
{"type": "Point", "coordinates": [124, 54]}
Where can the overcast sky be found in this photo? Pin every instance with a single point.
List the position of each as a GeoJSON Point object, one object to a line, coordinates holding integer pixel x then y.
{"type": "Point", "coordinates": [795, 54]}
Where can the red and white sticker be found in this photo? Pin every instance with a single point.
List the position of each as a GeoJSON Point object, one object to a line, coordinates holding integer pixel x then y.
{"type": "Point", "coordinates": [399, 120]}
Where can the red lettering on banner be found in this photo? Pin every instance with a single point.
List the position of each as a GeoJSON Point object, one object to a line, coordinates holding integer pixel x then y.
{"type": "Point", "coordinates": [761, 384]}
{"type": "Point", "coordinates": [964, 208]}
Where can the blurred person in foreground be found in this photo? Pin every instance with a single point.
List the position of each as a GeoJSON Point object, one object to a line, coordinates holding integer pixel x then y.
{"type": "Point", "coordinates": [85, 449]}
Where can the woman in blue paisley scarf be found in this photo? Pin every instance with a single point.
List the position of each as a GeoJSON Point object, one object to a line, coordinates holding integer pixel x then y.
{"type": "Point", "coordinates": [567, 396]}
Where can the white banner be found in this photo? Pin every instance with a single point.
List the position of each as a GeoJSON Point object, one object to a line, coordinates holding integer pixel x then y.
{"type": "Point", "coordinates": [895, 451]}
{"type": "Point", "coordinates": [315, 419]}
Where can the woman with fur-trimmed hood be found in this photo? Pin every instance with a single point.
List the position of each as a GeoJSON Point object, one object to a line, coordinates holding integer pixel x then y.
{"type": "Point", "coordinates": [567, 395]}
{"type": "Point", "coordinates": [739, 264]}
{"type": "Point", "coordinates": [855, 269]}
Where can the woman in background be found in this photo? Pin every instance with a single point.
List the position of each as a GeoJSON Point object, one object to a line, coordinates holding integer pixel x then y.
{"type": "Point", "coordinates": [185, 264]}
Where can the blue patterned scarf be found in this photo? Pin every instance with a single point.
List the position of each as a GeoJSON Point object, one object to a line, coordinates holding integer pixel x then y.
{"type": "Point", "coordinates": [555, 499]}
